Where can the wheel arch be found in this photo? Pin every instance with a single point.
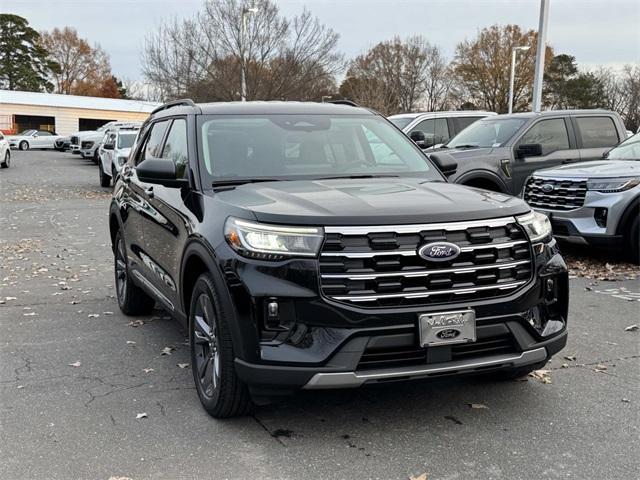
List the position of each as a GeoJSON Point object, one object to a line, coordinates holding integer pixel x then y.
{"type": "Point", "coordinates": [482, 179]}
{"type": "Point", "coordinates": [630, 213]}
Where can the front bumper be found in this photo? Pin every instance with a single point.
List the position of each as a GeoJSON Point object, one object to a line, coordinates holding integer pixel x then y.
{"type": "Point", "coordinates": [325, 344]}
{"type": "Point", "coordinates": [579, 226]}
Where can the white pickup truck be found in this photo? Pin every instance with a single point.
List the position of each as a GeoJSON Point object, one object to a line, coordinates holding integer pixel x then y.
{"type": "Point", "coordinates": [87, 143]}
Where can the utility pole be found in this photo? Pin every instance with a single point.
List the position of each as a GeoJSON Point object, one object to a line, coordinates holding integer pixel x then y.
{"type": "Point", "coordinates": [243, 34]}
{"type": "Point", "coordinates": [542, 46]}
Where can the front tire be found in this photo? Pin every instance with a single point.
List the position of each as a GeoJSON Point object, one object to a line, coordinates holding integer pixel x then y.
{"type": "Point", "coordinates": [7, 160]}
{"type": "Point", "coordinates": [132, 300]}
{"type": "Point", "coordinates": [96, 157]}
{"type": "Point", "coordinates": [24, 145]}
{"type": "Point", "coordinates": [633, 245]}
{"type": "Point", "coordinates": [221, 392]}
{"type": "Point", "coordinates": [105, 180]}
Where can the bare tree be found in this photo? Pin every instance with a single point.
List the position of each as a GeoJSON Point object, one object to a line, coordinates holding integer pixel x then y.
{"type": "Point", "coordinates": [203, 56]}
{"type": "Point", "coordinates": [621, 92]}
{"type": "Point", "coordinates": [398, 76]}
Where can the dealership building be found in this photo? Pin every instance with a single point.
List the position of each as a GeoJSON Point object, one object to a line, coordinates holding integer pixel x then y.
{"type": "Point", "coordinates": [65, 114]}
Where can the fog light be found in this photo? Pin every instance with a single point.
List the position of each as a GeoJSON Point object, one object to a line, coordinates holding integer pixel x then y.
{"type": "Point", "coordinates": [553, 326]}
{"type": "Point", "coordinates": [600, 216]}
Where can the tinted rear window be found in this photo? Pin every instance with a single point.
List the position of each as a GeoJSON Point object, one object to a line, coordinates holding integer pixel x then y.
{"type": "Point", "coordinates": [597, 132]}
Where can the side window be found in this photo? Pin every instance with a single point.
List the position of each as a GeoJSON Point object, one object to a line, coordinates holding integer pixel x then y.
{"type": "Point", "coordinates": [551, 134]}
{"type": "Point", "coordinates": [463, 122]}
{"type": "Point", "coordinates": [597, 132]}
{"type": "Point", "coordinates": [44, 133]}
{"type": "Point", "coordinates": [175, 148]}
{"type": "Point", "coordinates": [153, 142]}
{"type": "Point", "coordinates": [435, 130]}
{"type": "Point", "coordinates": [110, 140]}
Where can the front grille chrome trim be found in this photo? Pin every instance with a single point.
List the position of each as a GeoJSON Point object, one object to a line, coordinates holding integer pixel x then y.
{"type": "Point", "coordinates": [423, 273]}
{"type": "Point", "coordinates": [452, 291]}
{"type": "Point", "coordinates": [450, 226]}
{"type": "Point", "coordinates": [410, 253]}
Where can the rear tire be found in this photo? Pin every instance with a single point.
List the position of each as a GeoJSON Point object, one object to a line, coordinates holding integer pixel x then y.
{"type": "Point", "coordinates": [24, 145]}
{"type": "Point", "coordinates": [7, 160]}
{"type": "Point", "coordinates": [132, 300]}
{"type": "Point", "coordinates": [633, 242]}
{"type": "Point", "coordinates": [105, 180]}
{"type": "Point", "coordinates": [221, 392]}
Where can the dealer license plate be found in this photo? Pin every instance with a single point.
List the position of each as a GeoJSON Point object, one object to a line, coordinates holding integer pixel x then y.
{"type": "Point", "coordinates": [447, 328]}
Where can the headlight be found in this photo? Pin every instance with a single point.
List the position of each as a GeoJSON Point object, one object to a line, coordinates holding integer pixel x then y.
{"type": "Point", "coordinates": [122, 160]}
{"type": "Point", "coordinates": [536, 225]}
{"type": "Point", "coordinates": [272, 242]}
{"type": "Point", "coordinates": [612, 185]}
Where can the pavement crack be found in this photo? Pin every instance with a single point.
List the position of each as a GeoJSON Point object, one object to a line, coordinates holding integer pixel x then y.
{"type": "Point", "coordinates": [271, 434]}
{"type": "Point", "coordinates": [25, 368]}
{"type": "Point", "coordinates": [93, 396]}
{"type": "Point", "coordinates": [162, 411]}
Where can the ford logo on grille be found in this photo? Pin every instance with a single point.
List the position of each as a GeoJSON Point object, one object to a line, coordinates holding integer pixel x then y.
{"type": "Point", "coordinates": [547, 188]}
{"type": "Point", "coordinates": [439, 251]}
{"type": "Point", "coordinates": [447, 334]}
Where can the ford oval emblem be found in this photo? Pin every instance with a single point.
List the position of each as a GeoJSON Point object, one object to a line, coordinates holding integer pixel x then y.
{"type": "Point", "coordinates": [547, 188]}
{"type": "Point", "coordinates": [439, 251]}
{"type": "Point", "coordinates": [448, 334]}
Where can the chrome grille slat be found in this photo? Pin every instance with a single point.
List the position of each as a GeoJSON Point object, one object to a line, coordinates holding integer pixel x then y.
{"type": "Point", "coordinates": [566, 194]}
{"type": "Point", "coordinates": [379, 266]}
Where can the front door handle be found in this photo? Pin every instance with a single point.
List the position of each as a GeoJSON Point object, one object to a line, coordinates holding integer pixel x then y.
{"type": "Point", "coordinates": [149, 192]}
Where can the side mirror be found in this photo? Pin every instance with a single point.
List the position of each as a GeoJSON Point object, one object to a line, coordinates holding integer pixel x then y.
{"type": "Point", "coordinates": [419, 138]}
{"type": "Point", "coordinates": [445, 163]}
{"type": "Point", "coordinates": [605, 155]}
{"type": "Point", "coordinates": [108, 146]}
{"type": "Point", "coordinates": [528, 150]}
{"type": "Point", "coordinates": [160, 171]}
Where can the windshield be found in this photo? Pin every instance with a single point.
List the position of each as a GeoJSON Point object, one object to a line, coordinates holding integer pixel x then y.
{"type": "Point", "coordinates": [627, 150]}
{"type": "Point", "coordinates": [26, 133]}
{"type": "Point", "coordinates": [125, 140]}
{"type": "Point", "coordinates": [401, 122]}
{"type": "Point", "coordinates": [287, 147]}
{"type": "Point", "coordinates": [488, 132]}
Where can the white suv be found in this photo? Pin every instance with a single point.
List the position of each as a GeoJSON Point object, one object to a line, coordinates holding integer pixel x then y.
{"type": "Point", "coordinates": [114, 152]}
{"type": "Point", "coordinates": [5, 152]}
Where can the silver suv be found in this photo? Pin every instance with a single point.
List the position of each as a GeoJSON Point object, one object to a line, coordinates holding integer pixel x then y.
{"type": "Point", "coordinates": [593, 203]}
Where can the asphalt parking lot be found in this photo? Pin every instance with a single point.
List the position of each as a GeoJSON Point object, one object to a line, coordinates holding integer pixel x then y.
{"type": "Point", "coordinates": [75, 373]}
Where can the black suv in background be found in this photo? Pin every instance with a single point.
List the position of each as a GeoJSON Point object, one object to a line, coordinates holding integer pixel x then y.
{"type": "Point", "coordinates": [314, 246]}
{"type": "Point", "coordinates": [499, 152]}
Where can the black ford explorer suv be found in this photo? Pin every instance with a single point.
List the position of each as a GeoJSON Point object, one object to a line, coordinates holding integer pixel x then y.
{"type": "Point", "coordinates": [500, 152]}
{"type": "Point", "coordinates": [315, 246]}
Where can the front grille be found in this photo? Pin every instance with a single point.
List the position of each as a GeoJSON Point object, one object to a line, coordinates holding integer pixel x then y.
{"type": "Point", "coordinates": [555, 194]}
{"type": "Point", "coordinates": [73, 140]}
{"type": "Point", "coordinates": [380, 266]}
{"type": "Point", "coordinates": [409, 355]}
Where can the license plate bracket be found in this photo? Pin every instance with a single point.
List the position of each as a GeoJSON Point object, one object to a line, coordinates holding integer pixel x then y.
{"type": "Point", "coordinates": [447, 328]}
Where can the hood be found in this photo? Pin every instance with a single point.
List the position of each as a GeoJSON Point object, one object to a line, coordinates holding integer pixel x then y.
{"type": "Point", "coordinates": [464, 153]}
{"type": "Point", "coordinates": [368, 202]}
{"type": "Point", "coordinates": [16, 137]}
{"type": "Point", "coordinates": [599, 169]}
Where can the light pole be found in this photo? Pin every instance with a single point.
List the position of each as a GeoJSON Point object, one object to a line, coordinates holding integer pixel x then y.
{"type": "Point", "coordinates": [513, 72]}
{"type": "Point", "coordinates": [538, 75]}
{"type": "Point", "coordinates": [243, 34]}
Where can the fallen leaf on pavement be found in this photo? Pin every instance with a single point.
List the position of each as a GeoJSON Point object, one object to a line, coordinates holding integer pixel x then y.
{"type": "Point", "coordinates": [22, 386]}
{"type": "Point", "coordinates": [419, 477]}
{"type": "Point", "coordinates": [30, 314]}
{"type": "Point", "coordinates": [93, 315]}
{"type": "Point", "coordinates": [167, 350]}
{"type": "Point", "coordinates": [120, 478]}
{"type": "Point", "coordinates": [600, 368]}
{"type": "Point", "coordinates": [631, 328]}
{"type": "Point", "coordinates": [541, 375]}
{"type": "Point", "coordinates": [130, 342]}
{"type": "Point", "coordinates": [107, 313]}
{"type": "Point", "coordinates": [564, 365]}
{"type": "Point", "coordinates": [478, 406]}
{"type": "Point", "coordinates": [141, 415]}
{"type": "Point", "coordinates": [135, 323]}
{"type": "Point", "coordinates": [183, 365]}
{"type": "Point", "coordinates": [75, 364]}
{"type": "Point", "coordinates": [147, 370]}
{"type": "Point", "coordinates": [571, 358]}
{"type": "Point", "coordinates": [626, 400]}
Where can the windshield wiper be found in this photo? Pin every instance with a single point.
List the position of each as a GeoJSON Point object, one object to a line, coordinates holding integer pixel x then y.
{"type": "Point", "coordinates": [234, 182]}
{"type": "Point", "coordinates": [466, 145]}
{"type": "Point", "coordinates": [364, 175]}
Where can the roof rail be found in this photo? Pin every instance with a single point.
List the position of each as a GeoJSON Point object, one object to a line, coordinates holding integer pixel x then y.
{"type": "Point", "coordinates": [174, 103]}
{"type": "Point", "coordinates": [343, 101]}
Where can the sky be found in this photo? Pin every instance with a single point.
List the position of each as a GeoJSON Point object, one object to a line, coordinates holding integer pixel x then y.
{"type": "Point", "coordinates": [596, 32]}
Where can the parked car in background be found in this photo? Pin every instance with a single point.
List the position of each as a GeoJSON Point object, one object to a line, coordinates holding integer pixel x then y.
{"type": "Point", "coordinates": [499, 152]}
{"type": "Point", "coordinates": [428, 129]}
{"type": "Point", "coordinates": [33, 139]}
{"type": "Point", "coordinates": [593, 203]}
{"type": "Point", "coordinates": [62, 144]}
{"type": "Point", "coordinates": [5, 152]}
{"type": "Point", "coordinates": [314, 246]}
{"type": "Point", "coordinates": [114, 153]}
{"type": "Point", "coordinates": [92, 139]}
